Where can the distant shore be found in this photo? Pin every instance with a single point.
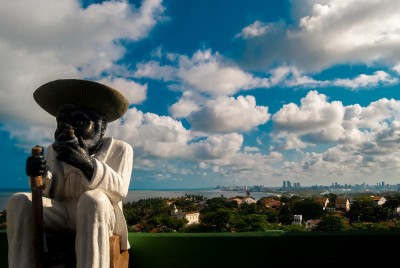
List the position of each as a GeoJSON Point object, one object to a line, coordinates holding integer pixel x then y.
{"type": "Point", "coordinates": [137, 194]}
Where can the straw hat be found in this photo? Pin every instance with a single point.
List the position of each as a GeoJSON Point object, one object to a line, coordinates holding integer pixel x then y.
{"type": "Point", "coordinates": [98, 97]}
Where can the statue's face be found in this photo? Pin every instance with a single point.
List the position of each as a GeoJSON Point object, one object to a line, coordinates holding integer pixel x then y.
{"type": "Point", "coordinates": [86, 124]}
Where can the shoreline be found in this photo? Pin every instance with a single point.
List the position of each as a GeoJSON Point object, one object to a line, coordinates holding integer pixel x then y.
{"type": "Point", "coordinates": [138, 194]}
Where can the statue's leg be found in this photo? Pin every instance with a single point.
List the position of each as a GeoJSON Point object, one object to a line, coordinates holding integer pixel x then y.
{"type": "Point", "coordinates": [20, 224]}
{"type": "Point", "coordinates": [95, 222]}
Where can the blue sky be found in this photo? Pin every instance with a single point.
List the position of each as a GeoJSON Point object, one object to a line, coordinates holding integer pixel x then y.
{"type": "Point", "coordinates": [221, 92]}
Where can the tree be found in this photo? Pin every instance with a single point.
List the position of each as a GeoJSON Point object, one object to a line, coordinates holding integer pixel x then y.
{"type": "Point", "coordinates": [165, 223]}
{"type": "Point", "coordinates": [219, 202]}
{"type": "Point", "coordinates": [255, 208]}
{"type": "Point", "coordinates": [285, 215]}
{"type": "Point", "coordinates": [331, 222]}
{"type": "Point", "coordinates": [361, 210]}
{"type": "Point", "coordinates": [308, 208]}
{"type": "Point", "coordinates": [185, 204]}
{"type": "Point", "coordinates": [255, 223]}
{"type": "Point", "coordinates": [331, 196]}
{"type": "Point", "coordinates": [218, 219]}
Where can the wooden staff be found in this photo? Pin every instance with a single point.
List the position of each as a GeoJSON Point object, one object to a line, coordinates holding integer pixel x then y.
{"type": "Point", "coordinates": [37, 209]}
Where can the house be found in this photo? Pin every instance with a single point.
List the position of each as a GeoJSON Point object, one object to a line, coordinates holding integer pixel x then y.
{"type": "Point", "coordinates": [241, 200]}
{"type": "Point", "coordinates": [311, 224]}
{"type": "Point", "coordinates": [249, 200]}
{"type": "Point", "coordinates": [342, 204]}
{"type": "Point", "coordinates": [396, 212]}
{"type": "Point", "coordinates": [270, 202]}
{"type": "Point", "coordinates": [330, 207]}
{"type": "Point", "coordinates": [237, 200]}
{"type": "Point", "coordinates": [378, 200]}
{"type": "Point", "coordinates": [297, 219]}
{"type": "Point", "coordinates": [192, 217]}
{"type": "Point", "coordinates": [323, 201]}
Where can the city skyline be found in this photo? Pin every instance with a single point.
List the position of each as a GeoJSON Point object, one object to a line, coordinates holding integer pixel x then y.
{"type": "Point", "coordinates": [221, 92]}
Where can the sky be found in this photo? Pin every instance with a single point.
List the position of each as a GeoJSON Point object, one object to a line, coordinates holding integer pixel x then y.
{"type": "Point", "coordinates": [221, 92]}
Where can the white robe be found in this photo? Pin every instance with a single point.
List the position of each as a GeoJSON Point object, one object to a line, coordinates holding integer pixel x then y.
{"type": "Point", "coordinates": [69, 204]}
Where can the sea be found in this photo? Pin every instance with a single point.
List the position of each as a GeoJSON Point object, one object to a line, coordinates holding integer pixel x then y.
{"type": "Point", "coordinates": [136, 195]}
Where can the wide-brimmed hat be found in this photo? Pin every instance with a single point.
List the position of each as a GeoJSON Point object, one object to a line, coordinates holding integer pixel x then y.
{"type": "Point", "coordinates": [103, 99]}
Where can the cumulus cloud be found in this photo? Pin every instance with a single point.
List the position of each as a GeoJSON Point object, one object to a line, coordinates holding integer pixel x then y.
{"type": "Point", "coordinates": [314, 114]}
{"type": "Point", "coordinates": [154, 70]}
{"type": "Point", "coordinates": [204, 79]}
{"type": "Point", "coordinates": [134, 92]}
{"type": "Point", "coordinates": [154, 135]}
{"type": "Point", "coordinates": [251, 149]}
{"type": "Point", "coordinates": [38, 47]}
{"type": "Point", "coordinates": [255, 29]}
{"type": "Point", "coordinates": [290, 76]}
{"type": "Point", "coordinates": [331, 32]}
{"type": "Point", "coordinates": [318, 121]}
{"type": "Point", "coordinates": [364, 80]}
{"type": "Point", "coordinates": [86, 42]}
{"type": "Point", "coordinates": [220, 147]}
{"type": "Point", "coordinates": [189, 102]}
{"type": "Point", "coordinates": [363, 140]}
{"type": "Point", "coordinates": [204, 72]}
{"type": "Point", "coordinates": [227, 114]}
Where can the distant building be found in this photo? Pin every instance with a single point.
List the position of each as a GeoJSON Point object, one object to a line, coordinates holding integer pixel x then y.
{"type": "Point", "coordinates": [342, 204]}
{"type": "Point", "coordinates": [297, 219]}
{"type": "Point", "coordinates": [249, 200]}
{"type": "Point", "coordinates": [378, 200]}
{"type": "Point", "coordinates": [191, 217]}
{"type": "Point", "coordinates": [323, 201]}
{"type": "Point", "coordinates": [270, 202]}
{"type": "Point", "coordinates": [241, 200]}
{"type": "Point", "coordinates": [330, 207]}
{"type": "Point", "coordinates": [396, 212]}
{"type": "Point", "coordinates": [311, 224]}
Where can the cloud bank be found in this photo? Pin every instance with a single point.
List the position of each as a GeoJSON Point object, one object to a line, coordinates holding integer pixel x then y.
{"type": "Point", "coordinates": [218, 128]}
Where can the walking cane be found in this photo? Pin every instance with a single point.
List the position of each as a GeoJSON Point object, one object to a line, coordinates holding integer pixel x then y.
{"type": "Point", "coordinates": [37, 209]}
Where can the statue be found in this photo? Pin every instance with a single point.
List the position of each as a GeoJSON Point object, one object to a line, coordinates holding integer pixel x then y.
{"type": "Point", "coordinates": [85, 175]}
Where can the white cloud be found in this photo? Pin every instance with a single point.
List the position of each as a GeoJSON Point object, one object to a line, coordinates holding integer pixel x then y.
{"type": "Point", "coordinates": [157, 136]}
{"type": "Point", "coordinates": [279, 74]}
{"type": "Point", "coordinates": [364, 141]}
{"type": "Point", "coordinates": [207, 73]}
{"type": "Point", "coordinates": [204, 72]}
{"type": "Point", "coordinates": [314, 115]}
{"type": "Point", "coordinates": [332, 32]}
{"type": "Point", "coordinates": [38, 46]}
{"type": "Point", "coordinates": [250, 149]}
{"type": "Point", "coordinates": [364, 80]}
{"type": "Point", "coordinates": [189, 102]}
{"type": "Point", "coordinates": [255, 29]}
{"type": "Point", "coordinates": [217, 147]}
{"type": "Point", "coordinates": [152, 69]}
{"type": "Point", "coordinates": [134, 92]}
{"type": "Point", "coordinates": [227, 114]}
{"type": "Point", "coordinates": [396, 68]}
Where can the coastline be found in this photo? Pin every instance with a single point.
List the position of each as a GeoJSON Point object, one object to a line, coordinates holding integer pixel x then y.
{"type": "Point", "coordinates": [137, 194]}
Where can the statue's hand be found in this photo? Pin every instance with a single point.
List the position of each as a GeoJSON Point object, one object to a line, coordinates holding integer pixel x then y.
{"type": "Point", "coordinates": [35, 165]}
{"type": "Point", "coordinates": [76, 154]}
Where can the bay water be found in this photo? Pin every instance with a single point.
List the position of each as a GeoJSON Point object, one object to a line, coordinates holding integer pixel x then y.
{"type": "Point", "coordinates": [136, 195]}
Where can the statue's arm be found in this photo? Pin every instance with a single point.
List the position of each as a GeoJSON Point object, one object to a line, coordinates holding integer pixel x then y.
{"type": "Point", "coordinates": [113, 175]}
